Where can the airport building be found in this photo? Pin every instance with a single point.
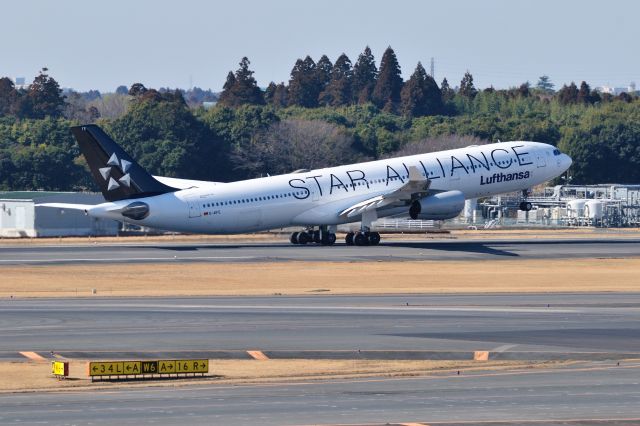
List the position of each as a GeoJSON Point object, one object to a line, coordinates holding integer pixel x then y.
{"type": "Point", "coordinates": [20, 217]}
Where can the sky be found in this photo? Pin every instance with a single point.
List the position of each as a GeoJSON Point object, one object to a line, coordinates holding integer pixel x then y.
{"type": "Point", "coordinates": [101, 45]}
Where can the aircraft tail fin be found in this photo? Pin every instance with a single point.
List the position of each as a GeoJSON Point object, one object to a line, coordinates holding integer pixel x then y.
{"type": "Point", "coordinates": [116, 173]}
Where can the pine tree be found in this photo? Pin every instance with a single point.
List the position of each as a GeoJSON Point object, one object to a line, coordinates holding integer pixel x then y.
{"type": "Point", "coordinates": [244, 90]}
{"type": "Point", "coordinates": [447, 92]}
{"type": "Point", "coordinates": [545, 84]}
{"type": "Point", "coordinates": [523, 90]}
{"type": "Point", "coordinates": [303, 84]}
{"type": "Point", "coordinates": [45, 97]}
{"type": "Point", "coordinates": [280, 97]}
{"type": "Point", "coordinates": [8, 95]}
{"type": "Point", "coordinates": [386, 93]}
{"type": "Point", "coordinates": [568, 94]}
{"type": "Point", "coordinates": [421, 95]}
{"type": "Point", "coordinates": [269, 93]}
{"type": "Point", "coordinates": [584, 94]}
{"type": "Point", "coordinates": [338, 91]}
{"type": "Point", "coordinates": [364, 77]}
{"type": "Point", "coordinates": [226, 95]}
{"type": "Point", "coordinates": [323, 72]}
{"type": "Point", "coordinates": [467, 88]}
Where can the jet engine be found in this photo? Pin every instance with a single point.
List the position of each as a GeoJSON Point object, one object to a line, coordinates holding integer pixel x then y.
{"type": "Point", "coordinates": [136, 210]}
{"type": "Point", "coordinates": [439, 206]}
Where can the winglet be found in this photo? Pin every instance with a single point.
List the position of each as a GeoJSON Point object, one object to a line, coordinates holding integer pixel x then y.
{"type": "Point", "coordinates": [415, 175]}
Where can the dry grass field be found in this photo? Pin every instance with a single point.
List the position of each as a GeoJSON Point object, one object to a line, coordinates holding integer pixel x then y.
{"type": "Point", "coordinates": [304, 278]}
{"type": "Point", "coordinates": [32, 376]}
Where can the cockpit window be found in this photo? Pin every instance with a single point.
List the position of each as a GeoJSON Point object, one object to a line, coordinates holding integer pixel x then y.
{"type": "Point", "coordinates": [556, 152]}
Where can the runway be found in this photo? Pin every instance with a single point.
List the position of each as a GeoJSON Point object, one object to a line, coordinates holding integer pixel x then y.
{"type": "Point", "coordinates": [159, 252]}
{"type": "Point", "coordinates": [599, 328]}
{"type": "Point", "coordinates": [604, 322]}
{"type": "Point", "coordinates": [576, 394]}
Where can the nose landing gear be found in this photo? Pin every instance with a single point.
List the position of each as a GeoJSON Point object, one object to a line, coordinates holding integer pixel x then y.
{"type": "Point", "coordinates": [525, 206]}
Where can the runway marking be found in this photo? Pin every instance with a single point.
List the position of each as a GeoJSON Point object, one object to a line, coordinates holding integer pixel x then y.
{"type": "Point", "coordinates": [481, 356]}
{"type": "Point", "coordinates": [259, 355]}
{"type": "Point", "coordinates": [414, 424]}
{"type": "Point", "coordinates": [503, 348]}
{"type": "Point", "coordinates": [32, 356]}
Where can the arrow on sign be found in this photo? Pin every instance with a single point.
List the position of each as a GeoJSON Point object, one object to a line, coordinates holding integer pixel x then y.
{"type": "Point", "coordinates": [95, 368]}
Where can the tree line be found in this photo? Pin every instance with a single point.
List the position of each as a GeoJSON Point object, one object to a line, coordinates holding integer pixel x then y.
{"type": "Point", "coordinates": [326, 114]}
{"type": "Point", "coordinates": [327, 84]}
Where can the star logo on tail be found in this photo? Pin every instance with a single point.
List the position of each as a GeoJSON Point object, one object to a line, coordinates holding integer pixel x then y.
{"type": "Point", "coordinates": [123, 165]}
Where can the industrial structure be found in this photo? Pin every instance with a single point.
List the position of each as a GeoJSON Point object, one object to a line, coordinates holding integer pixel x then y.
{"type": "Point", "coordinates": [610, 205]}
{"type": "Point", "coordinates": [20, 217]}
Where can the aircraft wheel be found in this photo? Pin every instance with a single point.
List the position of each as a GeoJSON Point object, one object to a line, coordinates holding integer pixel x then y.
{"type": "Point", "coordinates": [349, 239]}
{"type": "Point", "coordinates": [526, 206]}
{"type": "Point", "coordinates": [294, 238]}
{"type": "Point", "coordinates": [303, 238]}
{"type": "Point", "coordinates": [374, 238]}
{"type": "Point", "coordinates": [361, 239]}
{"type": "Point", "coordinates": [316, 237]}
{"type": "Point", "coordinates": [328, 239]}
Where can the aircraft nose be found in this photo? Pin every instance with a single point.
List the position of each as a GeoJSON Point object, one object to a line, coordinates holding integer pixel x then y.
{"type": "Point", "coordinates": [566, 161]}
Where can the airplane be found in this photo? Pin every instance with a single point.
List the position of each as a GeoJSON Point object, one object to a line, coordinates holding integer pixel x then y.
{"type": "Point", "coordinates": [431, 186]}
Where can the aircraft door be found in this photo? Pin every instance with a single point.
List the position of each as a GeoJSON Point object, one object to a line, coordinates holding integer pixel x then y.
{"type": "Point", "coordinates": [194, 208]}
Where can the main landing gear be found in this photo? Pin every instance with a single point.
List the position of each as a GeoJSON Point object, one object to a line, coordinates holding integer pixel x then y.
{"type": "Point", "coordinates": [362, 238]}
{"type": "Point", "coordinates": [321, 236]}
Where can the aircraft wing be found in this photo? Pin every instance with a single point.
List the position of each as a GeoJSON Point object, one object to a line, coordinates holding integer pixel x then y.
{"type": "Point", "coordinates": [416, 187]}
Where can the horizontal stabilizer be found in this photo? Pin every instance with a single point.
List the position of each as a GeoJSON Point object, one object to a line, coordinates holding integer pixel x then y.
{"type": "Point", "coordinates": [185, 183]}
{"type": "Point", "coordinates": [84, 207]}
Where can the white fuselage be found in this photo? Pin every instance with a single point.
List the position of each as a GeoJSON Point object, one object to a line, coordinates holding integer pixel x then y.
{"type": "Point", "coordinates": [317, 197]}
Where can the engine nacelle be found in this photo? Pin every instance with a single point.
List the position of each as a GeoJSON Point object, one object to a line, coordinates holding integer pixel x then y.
{"type": "Point", "coordinates": [136, 210]}
{"type": "Point", "coordinates": [440, 206]}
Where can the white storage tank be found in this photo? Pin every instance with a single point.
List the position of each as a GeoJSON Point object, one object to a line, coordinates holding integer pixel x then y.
{"type": "Point", "coordinates": [557, 213]}
{"type": "Point", "coordinates": [594, 209]}
{"type": "Point", "coordinates": [470, 207]}
{"type": "Point", "coordinates": [575, 208]}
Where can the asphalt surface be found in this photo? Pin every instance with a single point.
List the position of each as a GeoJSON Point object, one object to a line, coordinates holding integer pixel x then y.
{"type": "Point", "coordinates": [85, 327]}
{"type": "Point", "coordinates": [147, 327]}
{"type": "Point", "coordinates": [576, 394]}
{"type": "Point", "coordinates": [603, 326]}
{"type": "Point", "coordinates": [271, 252]}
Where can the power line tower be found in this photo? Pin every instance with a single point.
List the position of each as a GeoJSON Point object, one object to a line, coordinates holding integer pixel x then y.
{"type": "Point", "coordinates": [433, 67]}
